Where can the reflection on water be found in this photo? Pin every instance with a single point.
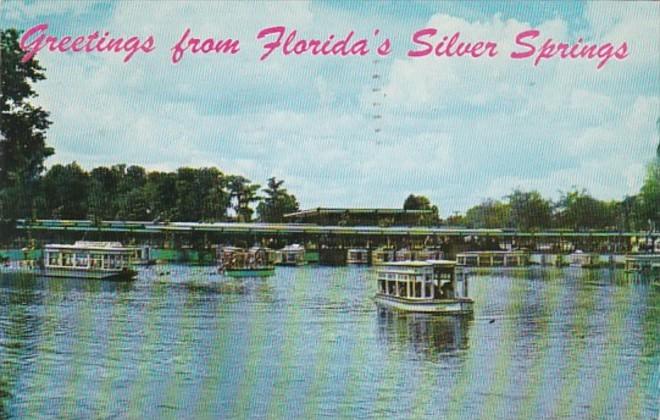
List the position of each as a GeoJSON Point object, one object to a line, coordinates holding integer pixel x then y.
{"type": "Point", "coordinates": [185, 342]}
{"type": "Point", "coordinates": [424, 333]}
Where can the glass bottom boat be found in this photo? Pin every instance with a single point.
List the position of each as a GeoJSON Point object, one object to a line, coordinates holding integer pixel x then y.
{"type": "Point", "coordinates": [293, 255]}
{"type": "Point", "coordinates": [237, 262]}
{"type": "Point", "coordinates": [84, 259]}
{"type": "Point", "coordinates": [423, 286]}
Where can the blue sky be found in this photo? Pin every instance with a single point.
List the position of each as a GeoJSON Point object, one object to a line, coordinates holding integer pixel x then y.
{"type": "Point", "coordinates": [458, 130]}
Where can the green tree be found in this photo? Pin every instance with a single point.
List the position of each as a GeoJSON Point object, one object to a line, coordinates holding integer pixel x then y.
{"type": "Point", "coordinates": [579, 210]}
{"type": "Point", "coordinates": [529, 210]}
{"type": "Point", "coordinates": [277, 202]}
{"type": "Point", "coordinates": [242, 193]}
{"type": "Point", "coordinates": [416, 202]}
{"type": "Point", "coordinates": [133, 205]}
{"type": "Point", "coordinates": [420, 202]}
{"type": "Point", "coordinates": [160, 196]}
{"type": "Point", "coordinates": [456, 219]}
{"type": "Point", "coordinates": [103, 187]}
{"type": "Point", "coordinates": [488, 215]}
{"type": "Point", "coordinates": [215, 199]}
{"type": "Point", "coordinates": [188, 200]}
{"type": "Point", "coordinates": [649, 197]}
{"type": "Point", "coordinates": [22, 129]}
{"type": "Point", "coordinates": [627, 213]}
{"type": "Point", "coordinates": [65, 192]}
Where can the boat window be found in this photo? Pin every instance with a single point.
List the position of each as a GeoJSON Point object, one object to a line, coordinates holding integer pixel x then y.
{"type": "Point", "coordinates": [67, 259]}
{"type": "Point", "coordinates": [417, 289]}
{"type": "Point", "coordinates": [96, 261]}
{"type": "Point", "coordinates": [428, 284]}
{"type": "Point", "coordinates": [402, 289]}
{"type": "Point", "coordinates": [391, 288]}
{"type": "Point", "coordinates": [81, 260]}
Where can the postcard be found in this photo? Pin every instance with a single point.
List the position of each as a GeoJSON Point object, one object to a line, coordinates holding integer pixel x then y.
{"type": "Point", "coordinates": [329, 209]}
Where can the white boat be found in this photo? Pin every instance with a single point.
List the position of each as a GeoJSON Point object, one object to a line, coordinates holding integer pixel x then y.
{"type": "Point", "coordinates": [142, 256]}
{"type": "Point", "coordinates": [357, 256]}
{"type": "Point", "coordinates": [86, 259]}
{"type": "Point", "coordinates": [403, 254]}
{"type": "Point", "coordinates": [429, 253]}
{"type": "Point", "coordinates": [584, 259]}
{"type": "Point", "coordinates": [292, 255]}
{"type": "Point", "coordinates": [423, 286]}
{"type": "Point", "coordinates": [382, 256]}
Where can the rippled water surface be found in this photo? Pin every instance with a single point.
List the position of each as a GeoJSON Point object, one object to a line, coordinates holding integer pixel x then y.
{"type": "Point", "coordinates": [309, 342]}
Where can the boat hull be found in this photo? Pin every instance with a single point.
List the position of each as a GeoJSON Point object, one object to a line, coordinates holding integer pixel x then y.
{"type": "Point", "coordinates": [124, 275]}
{"type": "Point", "coordinates": [435, 306]}
{"type": "Point", "coordinates": [258, 272]}
{"type": "Point", "coordinates": [578, 265]}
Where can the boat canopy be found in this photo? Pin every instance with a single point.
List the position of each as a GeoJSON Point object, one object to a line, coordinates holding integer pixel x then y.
{"type": "Point", "coordinates": [90, 246]}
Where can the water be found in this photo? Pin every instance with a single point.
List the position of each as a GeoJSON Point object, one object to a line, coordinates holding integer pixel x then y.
{"type": "Point", "coordinates": [309, 342]}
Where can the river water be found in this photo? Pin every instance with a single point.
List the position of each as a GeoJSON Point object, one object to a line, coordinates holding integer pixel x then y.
{"type": "Point", "coordinates": [183, 342]}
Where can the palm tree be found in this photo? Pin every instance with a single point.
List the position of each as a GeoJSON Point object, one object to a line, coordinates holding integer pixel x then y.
{"type": "Point", "coordinates": [242, 193]}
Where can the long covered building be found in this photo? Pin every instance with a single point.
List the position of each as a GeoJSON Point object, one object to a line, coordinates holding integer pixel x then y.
{"type": "Point", "coordinates": [324, 216]}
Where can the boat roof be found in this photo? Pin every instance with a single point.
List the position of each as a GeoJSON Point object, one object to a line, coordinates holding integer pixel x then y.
{"type": "Point", "coordinates": [407, 264]}
{"type": "Point", "coordinates": [425, 263]}
{"type": "Point", "coordinates": [231, 248]}
{"type": "Point", "coordinates": [442, 262]}
{"type": "Point", "coordinates": [375, 211]}
{"type": "Point", "coordinates": [92, 246]}
{"type": "Point", "coordinates": [514, 251]}
{"type": "Point", "coordinates": [259, 248]}
{"type": "Point", "coordinates": [293, 247]}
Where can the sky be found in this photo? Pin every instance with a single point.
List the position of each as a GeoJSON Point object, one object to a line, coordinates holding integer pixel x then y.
{"type": "Point", "coordinates": [457, 130]}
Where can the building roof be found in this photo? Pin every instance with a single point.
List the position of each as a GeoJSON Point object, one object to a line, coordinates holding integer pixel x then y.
{"type": "Point", "coordinates": [333, 210]}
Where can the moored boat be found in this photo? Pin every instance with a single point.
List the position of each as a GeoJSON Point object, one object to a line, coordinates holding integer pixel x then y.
{"type": "Point", "coordinates": [512, 258]}
{"type": "Point", "coordinates": [292, 255]}
{"type": "Point", "coordinates": [86, 259]}
{"type": "Point", "coordinates": [357, 256]}
{"type": "Point", "coordinates": [382, 255]}
{"type": "Point", "coordinates": [238, 262]}
{"type": "Point", "coordinates": [643, 263]}
{"type": "Point", "coordinates": [423, 286]}
{"type": "Point", "coordinates": [429, 253]}
{"type": "Point", "coordinates": [584, 259]}
{"type": "Point", "coordinates": [403, 254]}
{"type": "Point", "coordinates": [142, 256]}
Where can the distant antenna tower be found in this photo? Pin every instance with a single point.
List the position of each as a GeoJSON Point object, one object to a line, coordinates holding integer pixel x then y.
{"type": "Point", "coordinates": [376, 103]}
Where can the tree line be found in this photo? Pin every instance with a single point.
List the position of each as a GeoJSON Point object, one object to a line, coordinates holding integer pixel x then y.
{"type": "Point", "coordinates": [119, 192]}
{"type": "Point", "coordinates": [574, 210]}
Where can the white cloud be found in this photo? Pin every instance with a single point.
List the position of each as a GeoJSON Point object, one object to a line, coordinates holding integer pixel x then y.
{"type": "Point", "coordinates": [456, 129]}
{"type": "Point", "coordinates": [21, 10]}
